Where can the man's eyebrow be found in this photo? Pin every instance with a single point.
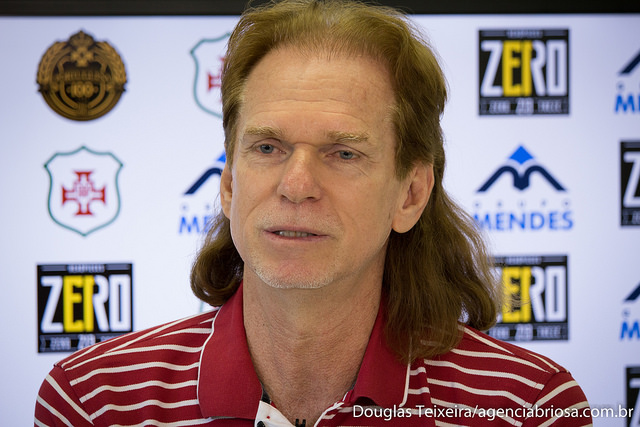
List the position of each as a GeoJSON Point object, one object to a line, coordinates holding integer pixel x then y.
{"type": "Point", "coordinates": [340, 136]}
{"type": "Point", "coordinates": [335, 135]}
{"type": "Point", "coordinates": [264, 131]}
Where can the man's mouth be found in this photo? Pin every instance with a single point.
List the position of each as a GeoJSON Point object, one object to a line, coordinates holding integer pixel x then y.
{"type": "Point", "coordinates": [286, 233]}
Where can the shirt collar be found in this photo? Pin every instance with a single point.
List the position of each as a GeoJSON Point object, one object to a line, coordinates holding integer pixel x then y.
{"type": "Point", "coordinates": [382, 377]}
{"type": "Point", "coordinates": [228, 385]}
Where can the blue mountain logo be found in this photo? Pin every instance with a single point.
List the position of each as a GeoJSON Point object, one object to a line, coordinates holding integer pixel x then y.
{"type": "Point", "coordinates": [521, 165]}
{"type": "Point", "coordinates": [216, 169]}
{"type": "Point", "coordinates": [634, 295]}
{"type": "Point", "coordinates": [628, 68]}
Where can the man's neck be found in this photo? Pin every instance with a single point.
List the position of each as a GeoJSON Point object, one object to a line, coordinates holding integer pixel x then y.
{"type": "Point", "coordinates": [307, 345]}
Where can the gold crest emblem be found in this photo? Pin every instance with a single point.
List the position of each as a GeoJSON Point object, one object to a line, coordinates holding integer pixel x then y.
{"type": "Point", "coordinates": [81, 79]}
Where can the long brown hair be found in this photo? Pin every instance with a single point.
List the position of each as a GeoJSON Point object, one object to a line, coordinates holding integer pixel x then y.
{"type": "Point", "coordinates": [438, 273]}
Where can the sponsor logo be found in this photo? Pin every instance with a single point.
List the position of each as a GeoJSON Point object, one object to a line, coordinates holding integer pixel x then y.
{"type": "Point", "coordinates": [521, 172]}
{"type": "Point", "coordinates": [630, 327]}
{"type": "Point", "coordinates": [209, 57]}
{"type": "Point", "coordinates": [81, 304]}
{"type": "Point", "coordinates": [628, 94]}
{"type": "Point", "coordinates": [524, 72]}
{"type": "Point", "coordinates": [540, 201]}
{"type": "Point", "coordinates": [81, 79]}
{"type": "Point", "coordinates": [198, 207]}
{"type": "Point", "coordinates": [633, 396]}
{"type": "Point", "coordinates": [630, 183]}
{"type": "Point", "coordinates": [536, 298]}
{"type": "Point", "coordinates": [83, 189]}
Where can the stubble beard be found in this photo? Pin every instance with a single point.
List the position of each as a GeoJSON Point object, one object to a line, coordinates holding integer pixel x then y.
{"type": "Point", "coordinates": [302, 279]}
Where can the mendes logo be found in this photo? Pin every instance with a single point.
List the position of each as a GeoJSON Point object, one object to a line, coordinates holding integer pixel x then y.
{"type": "Point", "coordinates": [630, 183]}
{"type": "Point", "coordinates": [209, 57]}
{"type": "Point", "coordinates": [197, 207]}
{"type": "Point", "coordinates": [536, 298]}
{"type": "Point", "coordinates": [81, 304]}
{"type": "Point", "coordinates": [83, 189]}
{"type": "Point", "coordinates": [541, 202]}
{"type": "Point", "coordinates": [628, 96]}
{"type": "Point", "coordinates": [524, 72]}
{"type": "Point", "coordinates": [630, 328]}
{"type": "Point", "coordinates": [81, 79]}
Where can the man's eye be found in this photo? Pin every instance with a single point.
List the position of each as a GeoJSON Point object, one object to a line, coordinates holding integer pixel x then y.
{"type": "Point", "coordinates": [266, 148]}
{"type": "Point", "coordinates": [346, 155]}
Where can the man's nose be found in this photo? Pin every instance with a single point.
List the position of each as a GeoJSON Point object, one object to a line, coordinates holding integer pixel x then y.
{"type": "Point", "coordinates": [300, 177]}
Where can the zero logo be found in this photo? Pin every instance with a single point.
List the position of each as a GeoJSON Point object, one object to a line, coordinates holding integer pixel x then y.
{"type": "Point", "coordinates": [524, 72]}
{"type": "Point", "coordinates": [630, 183]}
{"type": "Point", "coordinates": [80, 304]}
{"type": "Point", "coordinates": [536, 298]}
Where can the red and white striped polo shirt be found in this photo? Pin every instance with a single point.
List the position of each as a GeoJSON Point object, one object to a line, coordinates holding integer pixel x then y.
{"type": "Point", "coordinates": [197, 371]}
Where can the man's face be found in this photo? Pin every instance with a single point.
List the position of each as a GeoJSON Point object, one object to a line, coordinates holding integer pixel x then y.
{"type": "Point", "coordinates": [312, 194]}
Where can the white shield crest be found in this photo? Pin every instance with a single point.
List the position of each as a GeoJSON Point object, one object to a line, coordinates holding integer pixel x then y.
{"type": "Point", "coordinates": [209, 56]}
{"type": "Point", "coordinates": [83, 189]}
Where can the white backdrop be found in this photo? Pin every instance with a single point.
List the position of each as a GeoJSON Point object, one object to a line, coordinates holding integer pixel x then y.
{"type": "Point", "coordinates": [166, 133]}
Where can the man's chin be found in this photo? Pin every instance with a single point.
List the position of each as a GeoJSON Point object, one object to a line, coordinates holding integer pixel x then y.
{"type": "Point", "coordinates": [295, 280]}
{"type": "Point", "coordinates": [288, 283]}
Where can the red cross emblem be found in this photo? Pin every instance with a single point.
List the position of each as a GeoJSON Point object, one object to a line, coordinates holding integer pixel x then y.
{"type": "Point", "coordinates": [215, 80]}
{"type": "Point", "coordinates": [83, 193]}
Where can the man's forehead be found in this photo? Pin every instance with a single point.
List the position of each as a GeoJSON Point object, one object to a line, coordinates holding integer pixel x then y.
{"type": "Point", "coordinates": [303, 54]}
{"type": "Point", "coordinates": [287, 87]}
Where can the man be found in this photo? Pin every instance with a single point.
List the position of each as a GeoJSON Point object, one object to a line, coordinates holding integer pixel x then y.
{"type": "Point", "coordinates": [347, 285]}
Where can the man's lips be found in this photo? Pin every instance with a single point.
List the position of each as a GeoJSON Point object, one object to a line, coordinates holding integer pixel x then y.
{"type": "Point", "coordinates": [289, 233]}
{"type": "Point", "coordinates": [294, 232]}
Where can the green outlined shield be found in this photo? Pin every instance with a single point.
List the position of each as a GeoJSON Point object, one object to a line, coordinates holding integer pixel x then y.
{"type": "Point", "coordinates": [208, 55]}
{"type": "Point", "coordinates": [83, 189]}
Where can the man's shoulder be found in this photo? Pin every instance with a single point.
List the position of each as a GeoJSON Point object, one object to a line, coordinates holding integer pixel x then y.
{"type": "Point", "coordinates": [477, 346]}
{"type": "Point", "coordinates": [131, 376]}
{"type": "Point", "coordinates": [186, 335]}
{"type": "Point", "coordinates": [484, 373]}
{"type": "Point", "coordinates": [484, 366]}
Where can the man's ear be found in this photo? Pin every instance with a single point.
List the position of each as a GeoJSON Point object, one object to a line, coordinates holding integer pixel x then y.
{"type": "Point", "coordinates": [226, 190]}
{"type": "Point", "coordinates": [419, 185]}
